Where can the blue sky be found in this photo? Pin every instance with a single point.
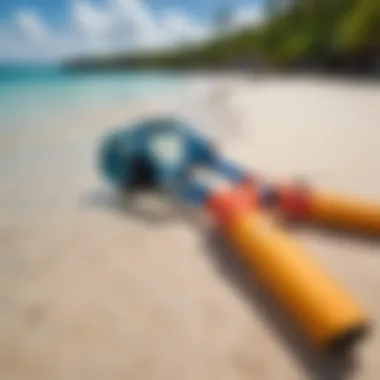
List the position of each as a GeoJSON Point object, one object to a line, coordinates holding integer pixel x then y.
{"type": "Point", "coordinates": [55, 29]}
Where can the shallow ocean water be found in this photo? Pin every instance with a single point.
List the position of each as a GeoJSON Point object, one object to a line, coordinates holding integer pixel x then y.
{"type": "Point", "coordinates": [39, 95]}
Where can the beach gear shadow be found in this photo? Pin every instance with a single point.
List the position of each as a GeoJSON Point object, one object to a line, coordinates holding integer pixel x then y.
{"type": "Point", "coordinates": [146, 206]}
{"type": "Point", "coordinates": [317, 365]}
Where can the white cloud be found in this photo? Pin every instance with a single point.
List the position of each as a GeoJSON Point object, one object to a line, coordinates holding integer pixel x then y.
{"type": "Point", "coordinates": [131, 24]}
{"type": "Point", "coordinates": [143, 26]}
{"type": "Point", "coordinates": [178, 26]}
{"type": "Point", "coordinates": [118, 25]}
{"type": "Point", "coordinates": [25, 37]}
{"type": "Point", "coordinates": [134, 11]}
{"type": "Point", "coordinates": [90, 19]}
{"type": "Point", "coordinates": [248, 15]}
{"type": "Point", "coordinates": [31, 24]}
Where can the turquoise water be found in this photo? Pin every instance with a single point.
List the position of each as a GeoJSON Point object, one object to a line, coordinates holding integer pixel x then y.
{"type": "Point", "coordinates": [38, 95]}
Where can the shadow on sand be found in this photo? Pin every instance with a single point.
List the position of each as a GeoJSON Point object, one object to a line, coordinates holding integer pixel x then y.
{"type": "Point", "coordinates": [318, 366]}
{"type": "Point", "coordinates": [149, 207]}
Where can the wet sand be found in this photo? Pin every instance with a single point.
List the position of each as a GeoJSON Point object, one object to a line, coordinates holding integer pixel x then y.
{"type": "Point", "coordinates": [91, 289]}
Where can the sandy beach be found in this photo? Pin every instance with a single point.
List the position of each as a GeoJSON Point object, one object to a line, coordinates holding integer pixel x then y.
{"type": "Point", "coordinates": [92, 290]}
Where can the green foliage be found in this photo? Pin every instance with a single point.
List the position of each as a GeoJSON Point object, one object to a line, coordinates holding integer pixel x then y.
{"type": "Point", "coordinates": [360, 26]}
{"type": "Point", "coordinates": [322, 30]}
{"type": "Point", "coordinates": [317, 31]}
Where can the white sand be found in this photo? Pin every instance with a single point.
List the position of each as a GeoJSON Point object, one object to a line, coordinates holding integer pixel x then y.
{"type": "Point", "coordinates": [89, 291]}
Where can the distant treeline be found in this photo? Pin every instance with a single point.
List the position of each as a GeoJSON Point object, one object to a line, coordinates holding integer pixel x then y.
{"type": "Point", "coordinates": [313, 34]}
